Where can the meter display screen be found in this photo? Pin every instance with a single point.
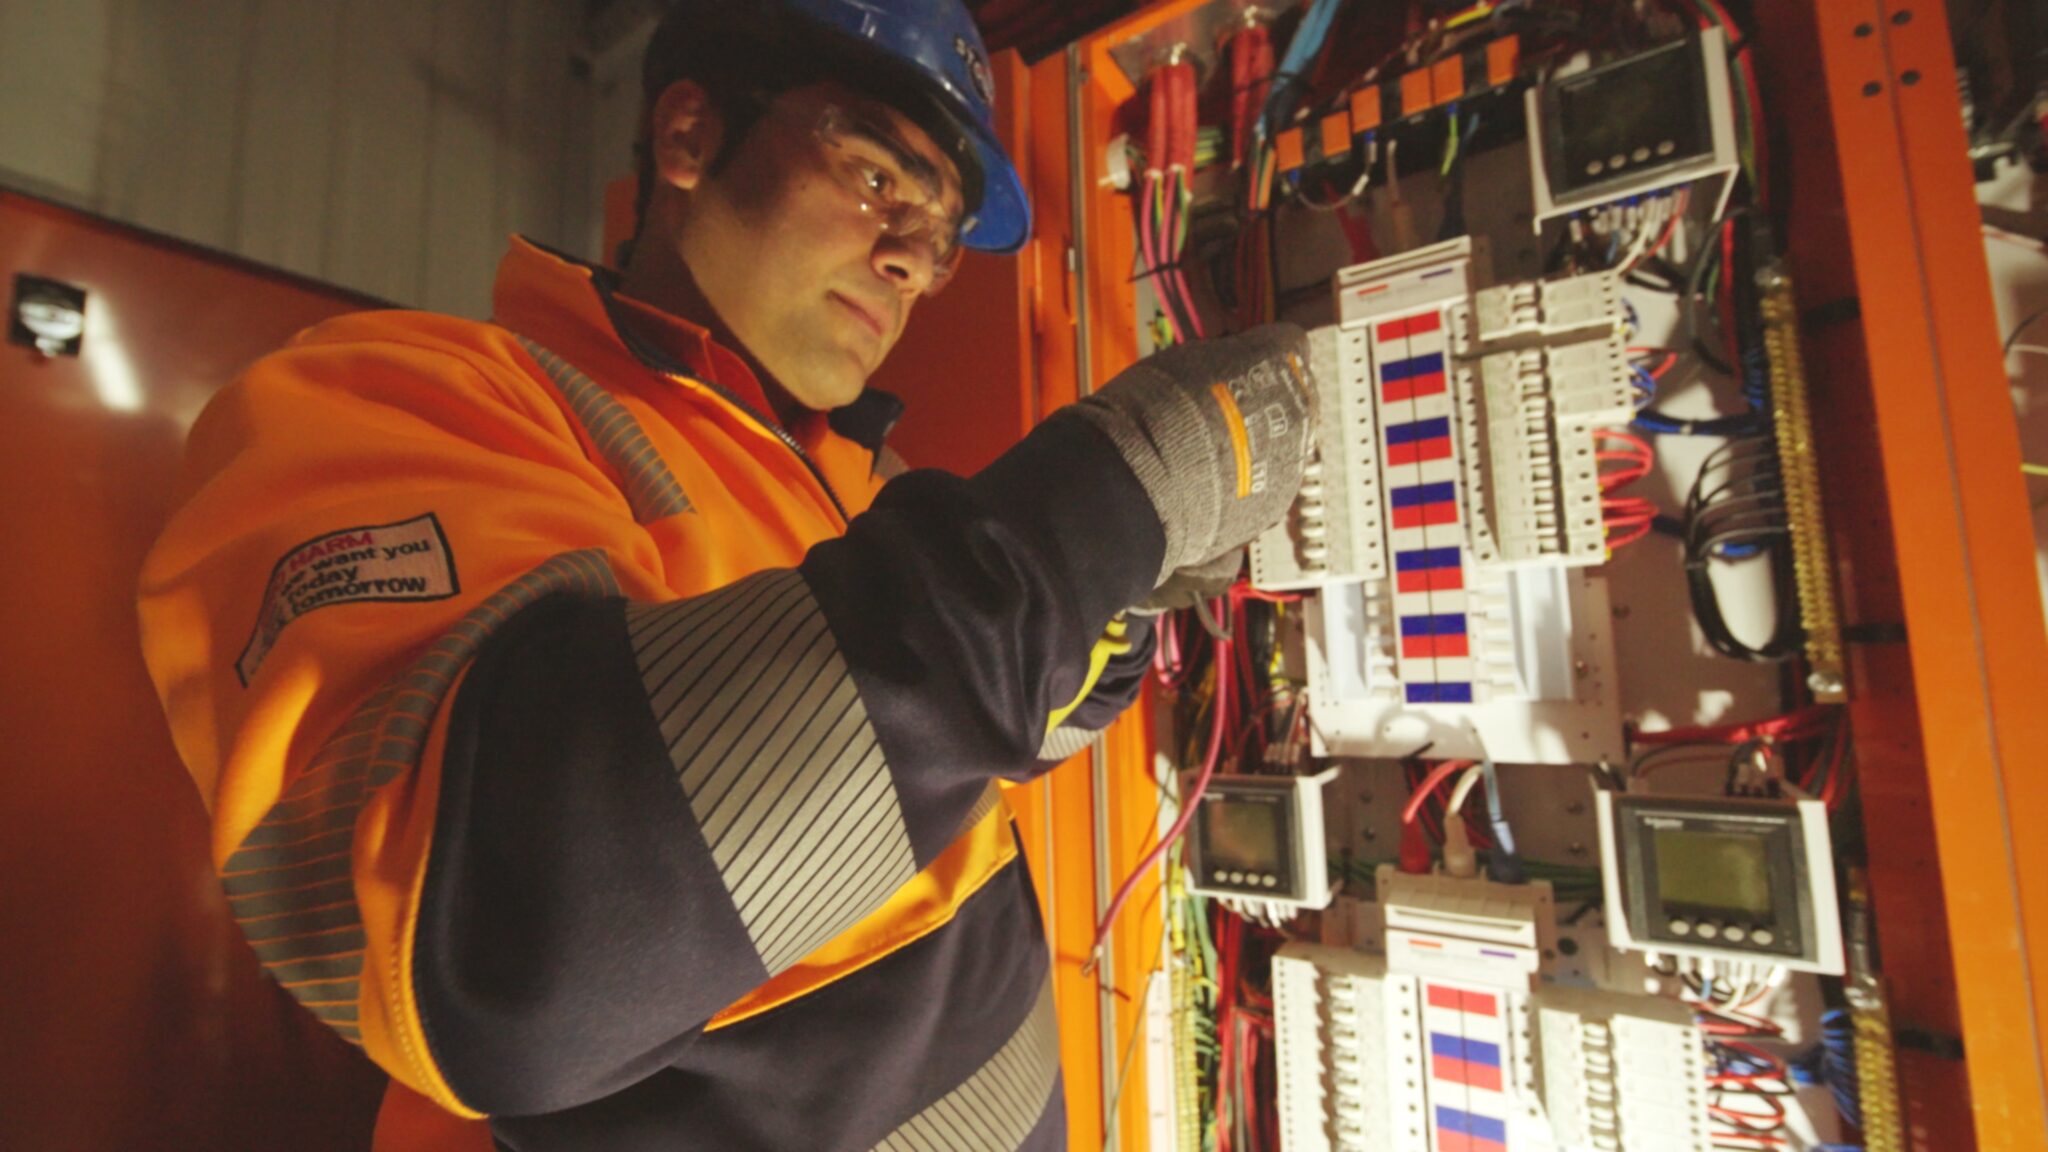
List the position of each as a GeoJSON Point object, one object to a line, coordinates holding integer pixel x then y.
{"type": "Point", "coordinates": [1720, 872]}
{"type": "Point", "coordinates": [1627, 119]}
{"type": "Point", "coordinates": [1242, 835]}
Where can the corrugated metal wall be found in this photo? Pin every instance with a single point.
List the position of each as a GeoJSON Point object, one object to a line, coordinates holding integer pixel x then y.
{"type": "Point", "coordinates": [387, 146]}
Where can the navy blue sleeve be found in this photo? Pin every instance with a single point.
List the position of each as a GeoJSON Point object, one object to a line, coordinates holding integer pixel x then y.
{"type": "Point", "coordinates": [648, 809]}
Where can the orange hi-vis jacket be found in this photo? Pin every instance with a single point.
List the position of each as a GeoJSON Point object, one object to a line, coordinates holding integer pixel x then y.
{"type": "Point", "coordinates": [609, 761]}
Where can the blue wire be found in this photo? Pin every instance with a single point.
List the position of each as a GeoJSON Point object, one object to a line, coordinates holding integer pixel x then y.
{"type": "Point", "coordinates": [1304, 48]}
{"type": "Point", "coordinates": [1503, 865]}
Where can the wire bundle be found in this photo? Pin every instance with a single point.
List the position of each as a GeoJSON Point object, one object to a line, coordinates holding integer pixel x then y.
{"type": "Point", "coordinates": [1810, 747]}
{"type": "Point", "coordinates": [1758, 1080]}
{"type": "Point", "coordinates": [1170, 140]}
{"type": "Point", "coordinates": [1626, 233]}
{"type": "Point", "coordinates": [1245, 1072]}
{"type": "Point", "coordinates": [1250, 53]}
{"type": "Point", "coordinates": [1831, 1064]}
{"type": "Point", "coordinates": [1222, 663]}
{"type": "Point", "coordinates": [1623, 458]}
{"type": "Point", "coordinates": [1736, 509]}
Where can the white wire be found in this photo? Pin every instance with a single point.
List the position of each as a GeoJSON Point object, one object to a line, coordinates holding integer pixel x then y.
{"type": "Point", "coordinates": [1458, 794]}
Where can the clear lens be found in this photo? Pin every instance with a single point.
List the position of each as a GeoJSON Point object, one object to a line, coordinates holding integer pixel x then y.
{"type": "Point", "coordinates": [866, 159]}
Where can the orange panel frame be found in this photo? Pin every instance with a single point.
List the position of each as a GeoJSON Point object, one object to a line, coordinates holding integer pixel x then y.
{"type": "Point", "coordinates": [1937, 537]}
{"type": "Point", "coordinates": [1116, 807]}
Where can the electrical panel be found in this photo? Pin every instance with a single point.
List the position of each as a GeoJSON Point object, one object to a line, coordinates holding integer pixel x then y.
{"type": "Point", "coordinates": [1560, 525]}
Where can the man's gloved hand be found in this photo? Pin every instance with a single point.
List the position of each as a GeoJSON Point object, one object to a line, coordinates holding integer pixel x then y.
{"type": "Point", "coordinates": [1187, 586]}
{"type": "Point", "coordinates": [1217, 432]}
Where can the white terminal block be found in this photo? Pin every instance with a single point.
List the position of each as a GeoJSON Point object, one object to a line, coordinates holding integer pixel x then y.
{"type": "Point", "coordinates": [1622, 1073]}
{"type": "Point", "coordinates": [1332, 533]}
{"type": "Point", "coordinates": [1578, 306]}
{"type": "Point", "coordinates": [1582, 305]}
{"type": "Point", "coordinates": [1589, 381]}
{"type": "Point", "coordinates": [1433, 277]}
{"type": "Point", "coordinates": [1506, 310]}
{"type": "Point", "coordinates": [1330, 1027]}
{"type": "Point", "coordinates": [1467, 929]}
{"type": "Point", "coordinates": [1471, 430]}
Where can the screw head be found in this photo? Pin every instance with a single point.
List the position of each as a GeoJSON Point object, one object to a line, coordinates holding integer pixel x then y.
{"type": "Point", "coordinates": [1903, 16]}
{"type": "Point", "coordinates": [1575, 808]}
{"type": "Point", "coordinates": [1872, 88]}
{"type": "Point", "coordinates": [1577, 849]}
{"type": "Point", "coordinates": [1864, 29]}
{"type": "Point", "coordinates": [1910, 77]}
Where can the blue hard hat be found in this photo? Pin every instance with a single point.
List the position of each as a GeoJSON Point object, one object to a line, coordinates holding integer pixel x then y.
{"type": "Point", "coordinates": [938, 41]}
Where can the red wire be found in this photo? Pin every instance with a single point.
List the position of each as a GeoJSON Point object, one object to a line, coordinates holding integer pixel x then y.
{"type": "Point", "coordinates": [1238, 49]}
{"type": "Point", "coordinates": [1156, 147]}
{"type": "Point", "coordinates": [1431, 783]}
{"type": "Point", "coordinates": [1663, 365]}
{"type": "Point", "coordinates": [1803, 724]}
{"type": "Point", "coordinates": [1726, 306]}
{"type": "Point", "coordinates": [1220, 708]}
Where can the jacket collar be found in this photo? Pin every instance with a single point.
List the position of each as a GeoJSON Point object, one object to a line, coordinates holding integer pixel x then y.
{"type": "Point", "coordinates": [541, 292]}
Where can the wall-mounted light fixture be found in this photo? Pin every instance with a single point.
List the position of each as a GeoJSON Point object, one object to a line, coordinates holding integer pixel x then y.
{"type": "Point", "coordinates": [48, 315]}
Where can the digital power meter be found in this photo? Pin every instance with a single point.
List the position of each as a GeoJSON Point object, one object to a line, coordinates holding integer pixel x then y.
{"type": "Point", "coordinates": [1726, 878]}
{"type": "Point", "coordinates": [1261, 838]}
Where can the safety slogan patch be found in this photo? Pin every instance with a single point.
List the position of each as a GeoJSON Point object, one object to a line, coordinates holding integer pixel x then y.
{"type": "Point", "coordinates": [408, 560]}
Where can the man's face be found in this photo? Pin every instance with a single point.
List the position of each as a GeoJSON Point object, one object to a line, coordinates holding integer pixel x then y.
{"type": "Point", "coordinates": [781, 247]}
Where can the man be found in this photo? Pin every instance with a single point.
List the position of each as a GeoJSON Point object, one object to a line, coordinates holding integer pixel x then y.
{"type": "Point", "coordinates": [589, 735]}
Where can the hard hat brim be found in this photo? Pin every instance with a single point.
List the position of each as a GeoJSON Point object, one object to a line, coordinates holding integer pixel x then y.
{"type": "Point", "coordinates": [1003, 221]}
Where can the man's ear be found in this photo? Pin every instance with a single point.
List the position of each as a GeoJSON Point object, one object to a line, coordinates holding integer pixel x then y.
{"type": "Point", "coordinates": [684, 132]}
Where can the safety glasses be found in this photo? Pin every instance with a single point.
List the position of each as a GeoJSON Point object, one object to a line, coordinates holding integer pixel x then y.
{"type": "Point", "coordinates": [893, 185]}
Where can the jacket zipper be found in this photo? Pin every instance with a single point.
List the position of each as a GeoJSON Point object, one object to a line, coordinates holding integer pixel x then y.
{"type": "Point", "coordinates": [654, 358]}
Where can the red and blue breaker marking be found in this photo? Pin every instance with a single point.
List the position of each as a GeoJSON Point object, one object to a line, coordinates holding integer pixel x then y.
{"type": "Point", "coordinates": [1425, 517]}
{"type": "Point", "coordinates": [1467, 1041]}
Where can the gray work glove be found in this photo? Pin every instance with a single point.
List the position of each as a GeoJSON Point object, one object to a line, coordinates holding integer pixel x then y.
{"type": "Point", "coordinates": [1218, 472]}
{"type": "Point", "coordinates": [1188, 586]}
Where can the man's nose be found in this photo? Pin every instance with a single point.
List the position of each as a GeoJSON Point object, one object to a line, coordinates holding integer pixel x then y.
{"type": "Point", "coordinates": [907, 262]}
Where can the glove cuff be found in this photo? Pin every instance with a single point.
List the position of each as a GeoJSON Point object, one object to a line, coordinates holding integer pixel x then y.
{"type": "Point", "coordinates": [1173, 453]}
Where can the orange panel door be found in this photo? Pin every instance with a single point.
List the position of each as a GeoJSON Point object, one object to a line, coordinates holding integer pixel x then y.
{"type": "Point", "coordinates": [134, 1014]}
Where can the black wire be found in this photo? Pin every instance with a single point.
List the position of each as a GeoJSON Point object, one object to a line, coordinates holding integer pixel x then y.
{"type": "Point", "coordinates": [1703, 261]}
{"type": "Point", "coordinates": [2020, 329]}
{"type": "Point", "coordinates": [1737, 499]}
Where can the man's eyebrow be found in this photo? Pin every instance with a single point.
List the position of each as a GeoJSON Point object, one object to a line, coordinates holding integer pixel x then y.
{"type": "Point", "coordinates": [912, 164]}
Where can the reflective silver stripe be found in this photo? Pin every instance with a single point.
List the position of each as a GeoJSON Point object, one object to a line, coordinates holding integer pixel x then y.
{"type": "Point", "coordinates": [650, 488]}
{"type": "Point", "coordinates": [773, 749]}
{"type": "Point", "coordinates": [991, 799]}
{"type": "Point", "coordinates": [996, 1108]}
{"type": "Point", "coordinates": [1063, 743]}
